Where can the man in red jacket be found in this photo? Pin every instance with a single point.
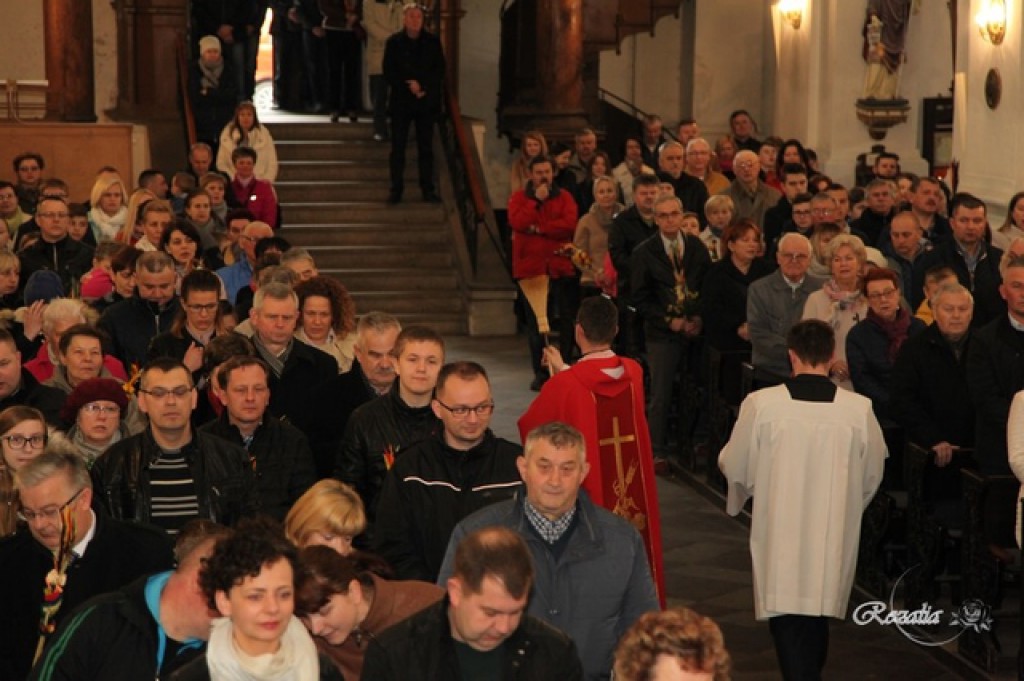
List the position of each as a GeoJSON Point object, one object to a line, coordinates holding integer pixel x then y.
{"type": "Point", "coordinates": [543, 219]}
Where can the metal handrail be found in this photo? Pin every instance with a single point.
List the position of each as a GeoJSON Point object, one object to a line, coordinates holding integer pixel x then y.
{"type": "Point", "coordinates": [635, 111]}
{"type": "Point", "coordinates": [186, 98]}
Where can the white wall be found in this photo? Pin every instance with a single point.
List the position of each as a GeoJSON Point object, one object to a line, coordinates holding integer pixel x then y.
{"type": "Point", "coordinates": [990, 143]}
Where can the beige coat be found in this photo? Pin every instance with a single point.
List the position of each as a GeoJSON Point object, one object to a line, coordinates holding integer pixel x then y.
{"type": "Point", "coordinates": [381, 21]}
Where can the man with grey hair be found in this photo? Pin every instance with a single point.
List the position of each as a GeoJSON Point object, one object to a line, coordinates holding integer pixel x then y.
{"type": "Point", "coordinates": [239, 275]}
{"type": "Point", "coordinates": [296, 369]}
{"type": "Point", "coordinates": [90, 552]}
{"type": "Point", "coordinates": [593, 580]}
{"type": "Point", "coordinates": [586, 147]}
{"type": "Point", "coordinates": [371, 375]}
{"type": "Point", "coordinates": [132, 323]}
{"type": "Point", "coordinates": [687, 188]}
{"type": "Point", "coordinates": [698, 165]}
{"type": "Point", "coordinates": [775, 303]}
{"type": "Point", "coordinates": [751, 197]}
{"type": "Point", "coordinates": [300, 261]}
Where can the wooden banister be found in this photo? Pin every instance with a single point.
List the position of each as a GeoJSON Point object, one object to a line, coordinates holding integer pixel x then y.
{"type": "Point", "coordinates": [473, 179]}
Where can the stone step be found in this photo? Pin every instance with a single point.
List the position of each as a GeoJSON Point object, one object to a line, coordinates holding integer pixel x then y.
{"type": "Point", "coordinates": [327, 150]}
{"type": "Point", "coordinates": [342, 130]}
{"type": "Point", "coordinates": [416, 212]}
{"type": "Point", "coordinates": [330, 191]}
{"type": "Point", "coordinates": [302, 171]}
{"type": "Point", "coordinates": [359, 234]}
{"type": "Point", "coordinates": [396, 279]}
{"type": "Point", "coordinates": [408, 301]}
{"type": "Point", "coordinates": [445, 323]}
{"type": "Point", "coordinates": [427, 257]}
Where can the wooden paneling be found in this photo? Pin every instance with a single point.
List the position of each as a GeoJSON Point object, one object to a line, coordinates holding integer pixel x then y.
{"type": "Point", "coordinates": [73, 152]}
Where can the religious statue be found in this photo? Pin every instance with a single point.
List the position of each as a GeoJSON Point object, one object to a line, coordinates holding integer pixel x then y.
{"type": "Point", "coordinates": [885, 34]}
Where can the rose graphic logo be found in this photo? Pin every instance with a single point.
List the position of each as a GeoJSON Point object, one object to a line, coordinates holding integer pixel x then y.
{"type": "Point", "coordinates": [974, 615]}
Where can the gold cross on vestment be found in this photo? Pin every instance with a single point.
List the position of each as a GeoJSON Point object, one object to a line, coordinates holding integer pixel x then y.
{"type": "Point", "coordinates": [624, 503]}
{"type": "Point", "coordinates": [617, 440]}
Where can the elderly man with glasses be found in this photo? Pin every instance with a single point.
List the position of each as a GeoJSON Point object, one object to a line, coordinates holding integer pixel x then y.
{"type": "Point", "coordinates": [751, 197]}
{"type": "Point", "coordinates": [69, 554]}
{"type": "Point", "coordinates": [169, 474]}
{"type": "Point", "coordinates": [439, 481]}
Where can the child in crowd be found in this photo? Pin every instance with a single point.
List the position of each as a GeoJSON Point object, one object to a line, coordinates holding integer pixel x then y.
{"type": "Point", "coordinates": [934, 278]}
{"type": "Point", "coordinates": [719, 211]}
{"type": "Point", "coordinates": [79, 217]}
{"type": "Point", "coordinates": [99, 281]}
{"type": "Point", "coordinates": [820, 238]}
{"type": "Point", "coordinates": [181, 184]}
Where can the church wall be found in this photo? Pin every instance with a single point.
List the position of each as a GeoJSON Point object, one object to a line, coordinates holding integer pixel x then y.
{"type": "Point", "coordinates": [646, 71]}
{"type": "Point", "coordinates": [989, 143]}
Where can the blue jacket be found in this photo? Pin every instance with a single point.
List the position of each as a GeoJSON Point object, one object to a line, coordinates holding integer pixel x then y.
{"type": "Point", "coordinates": [596, 589]}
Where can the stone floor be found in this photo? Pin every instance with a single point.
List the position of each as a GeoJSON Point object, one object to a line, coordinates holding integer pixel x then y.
{"type": "Point", "coordinates": [707, 563]}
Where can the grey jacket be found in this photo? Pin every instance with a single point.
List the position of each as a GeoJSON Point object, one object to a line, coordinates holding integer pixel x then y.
{"type": "Point", "coordinates": [772, 309]}
{"type": "Point", "coordinates": [594, 591]}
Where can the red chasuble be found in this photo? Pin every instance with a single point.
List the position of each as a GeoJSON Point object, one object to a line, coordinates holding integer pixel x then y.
{"type": "Point", "coordinates": [604, 399]}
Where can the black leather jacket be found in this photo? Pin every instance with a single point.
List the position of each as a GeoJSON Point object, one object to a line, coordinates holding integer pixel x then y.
{"type": "Point", "coordinates": [224, 481]}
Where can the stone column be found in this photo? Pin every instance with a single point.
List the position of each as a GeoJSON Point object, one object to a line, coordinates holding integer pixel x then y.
{"type": "Point", "coordinates": [69, 65]}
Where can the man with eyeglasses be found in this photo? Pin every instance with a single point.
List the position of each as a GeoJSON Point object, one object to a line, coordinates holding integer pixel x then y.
{"type": "Point", "coordinates": [602, 396]}
{"type": "Point", "coordinates": [752, 197]}
{"type": "Point", "coordinates": [775, 303]}
{"type": "Point", "coordinates": [379, 432]}
{"type": "Point", "coordinates": [105, 554]}
{"type": "Point", "coordinates": [687, 188]}
{"type": "Point", "coordinates": [51, 187]}
{"type": "Point", "coordinates": [55, 250]}
{"type": "Point", "coordinates": [239, 275]}
{"type": "Point", "coordinates": [168, 474]}
{"type": "Point", "coordinates": [280, 454]}
{"type": "Point", "coordinates": [441, 480]}
{"type": "Point", "coordinates": [698, 165]}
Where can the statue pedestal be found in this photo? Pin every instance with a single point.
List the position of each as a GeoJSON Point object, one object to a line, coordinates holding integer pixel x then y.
{"type": "Point", "coordinates": [881, 114]}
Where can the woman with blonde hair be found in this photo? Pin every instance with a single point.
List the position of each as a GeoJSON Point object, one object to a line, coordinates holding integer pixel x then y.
{"type": "Point", "coordinates": [131, 231]}
{"type": "Point", "coordinates": [533, 144]}
{"type": "Point", "coordinates": [674, 644]}
{"type": "Point", "coordinates": [841, 302]}
{"type": "Point", "coordinates": [330, 513]}
{"type": "Point", "coordinates": [592, 232]}
{"type": "Point", "coordinates": [245, 130]}
{"type": "Point", "coordinates": [109, 213]}
{"type": "Point", "coordinates": [1013, 226]}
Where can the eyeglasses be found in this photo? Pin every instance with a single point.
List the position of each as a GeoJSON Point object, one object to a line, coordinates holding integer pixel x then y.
{"type": "Point", "coordinates": [665, 216]}
{"type": "Point", "coordinates": [19, 441]}
{"type": "Point", "coordinates": [50, 513]}
{"type": "Point", "coordinates": [804, 213]}
{"type": "Point", "coordinates": [97, 408]}
{"type": "Point", "coordinates": [794, 257]}
{"type": "Point", "coordinates": [462, 412]}
{"type": "Point", "coordinates": [51, 215]}
{"type": "Point", "coordinates": [746, 165]}
{"type": "Point", "coordinates": [164, 393]}
{"type": "Point", "coordinates": [208, 308]}
{"type": "Point", "coordinates": [882, 295]}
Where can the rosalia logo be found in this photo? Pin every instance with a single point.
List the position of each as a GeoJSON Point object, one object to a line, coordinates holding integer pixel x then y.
{"type": "Point", "coordinates": [972, 615]}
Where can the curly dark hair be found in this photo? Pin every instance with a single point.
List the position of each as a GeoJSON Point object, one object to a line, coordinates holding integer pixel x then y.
{"type": "Point", "coordinates": [343, 308]}
{"type": "Point", "coordinates": [255, 542]}
{"type": "Point", "coordinates": [695, 641]}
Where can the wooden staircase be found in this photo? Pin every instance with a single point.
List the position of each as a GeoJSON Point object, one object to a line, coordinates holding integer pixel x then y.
{"type": "Point", "coordinates": [332, 186]}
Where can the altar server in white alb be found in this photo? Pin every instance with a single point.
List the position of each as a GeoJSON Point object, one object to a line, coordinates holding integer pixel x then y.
{"type": "Point", "coordinates": [812, 457]}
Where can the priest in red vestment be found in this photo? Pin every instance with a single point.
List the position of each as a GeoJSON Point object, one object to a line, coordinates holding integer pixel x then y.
{"type": "Point", "coordinates": [603, 397]}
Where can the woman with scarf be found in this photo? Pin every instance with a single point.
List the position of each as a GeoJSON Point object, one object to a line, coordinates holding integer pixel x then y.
{"type": "Point", "coordinates": [94, 410]}
{"type": "Point", "coordinates": [345, 604]}
{"type": "Point", "coordinates": [592, 233]}
{"type": "Point", "coordinates": [250, 580]}
{"type": "Point", "coordinates": [841, 302]}
{"type": "Point", "coordinates": [245, 130]}
{"type": "Point", "coordinates": [213, 89]}
{"type": "Point", "coordinates": [109, 211]}
{"type": "Point", "coordinates": [872, 345]}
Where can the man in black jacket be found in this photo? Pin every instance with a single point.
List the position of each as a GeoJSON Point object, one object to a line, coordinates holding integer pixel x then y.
{"type": "Point", "coordinates": [167, 474]}
{"type": "Point", "coordinates": [295, 368]}
{"type": "Point", "coordinates": [688, 189]}
{"type": "Point", "coordinates": [439, 481]}
{"type": "Point", "coordinates": [19, 387]}
{"type": "Point", "coordinates": [55, 491]}
{"type": "Point", "coordinates": [279, 452]}
{"type": "Point", "coordinates": [149, 629]}
{"type": "Point", "coordinates": [414, 70]}
{"type": "Point", "coordinates": [55, 250]}
{"type": "Point", "coordinates": [334, 400]}
{"type": "Point", "coordinates": [382, 429]}
{"type": "Point", "coordinates": [480, 630]}
{"type": "Point", "coordinates": [628, 229]}
{"type": "Point", "coordinates": [132, 323]}
{"type": "Point", "coordinates": [665, 267]}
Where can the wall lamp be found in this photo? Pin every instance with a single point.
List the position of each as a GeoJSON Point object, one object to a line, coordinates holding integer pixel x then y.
{"type": "Point", "coordinates": [991, 21]}
{"type": "Point", "coordinates": [792, 11]}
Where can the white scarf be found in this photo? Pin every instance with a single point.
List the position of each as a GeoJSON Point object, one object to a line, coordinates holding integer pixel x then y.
{"type": "Point", "coordinates": [295, 660]}
{"type": "Point", "coordinates": [107, 226]}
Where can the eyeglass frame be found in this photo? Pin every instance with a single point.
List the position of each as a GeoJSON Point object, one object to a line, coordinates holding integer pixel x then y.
{"type": "Point", "coordinates": [31, 516]}
{"type": "Point", "coordinates": [180, 392]}
{"type": "Point", "coordinates": [488, 409]}
{"type": "Point", "coordinates": [882, 295]}
{"type": "Point", "coordinates": [25, 440]}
